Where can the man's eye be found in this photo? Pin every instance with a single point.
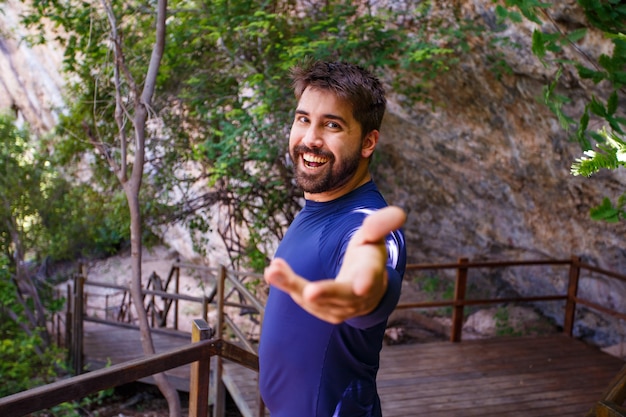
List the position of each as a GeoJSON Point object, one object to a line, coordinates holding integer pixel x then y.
{"type": "Point", "coordinates": [302, 119]}
{"type": "Point", "coordinates": [333, 125]}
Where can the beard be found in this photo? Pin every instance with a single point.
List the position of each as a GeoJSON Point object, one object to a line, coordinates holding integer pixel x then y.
{"type": "Point", "coordinates": [331, 176]}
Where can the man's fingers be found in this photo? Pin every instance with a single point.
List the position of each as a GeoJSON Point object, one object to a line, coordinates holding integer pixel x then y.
{"type": "Point", "coordinates": [319, 291]}
{"type": "Point", "coordinates": [280, 275]}
{"type": "Point", "coordinates": [382, 222]}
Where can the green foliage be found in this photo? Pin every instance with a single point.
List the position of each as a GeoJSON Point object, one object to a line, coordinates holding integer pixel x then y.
{"type": "Point", "coordinates": [548, 41]}
{"type": "Point", "coordinates": [41, 216]}
{"type": "Point", "coordinates": [225, 100]}
{"type": "Point", "coordinates": [607, 15]}
{"type": "Point", "coordinates": [610, 154]}
{"type": "Point", "coordinates": [556, 101]}
{"type": "Point", "coordinates": [608, 212]}
{"type": "Point", "coordinates": [7, 293]}
{"type": "Point", "coordinates": [239, 88]}
{"type": "Point", "coordinates": [437, 288]}
{"type": "Point", "coordinates": [80, 407]}
{"type": "Point", "coordinates": [48, 215]}
{"type": "Point", "coordinates": [20, 191]}
{"type": "Point", "coordinates": [527, 9]}
{"type": "Point", "coordinates": [503, 325]}
{"type": "Point", "coordinates": [20, 367]}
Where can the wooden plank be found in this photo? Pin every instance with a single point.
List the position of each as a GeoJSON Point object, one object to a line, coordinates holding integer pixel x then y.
{"type": "Point", "coordinates": [199, 374]}
{"type": "Point", "coordinates": [243, 385]}
{"type": "Point", "coordinates": [528, 377]}
{"type": "Point", "coordinates": [105, 345]}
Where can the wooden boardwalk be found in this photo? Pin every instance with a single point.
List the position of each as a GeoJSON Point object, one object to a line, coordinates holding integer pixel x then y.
{"type": "Point", "coordinates": [107, 345]}
{"type": "Point", "coordinates": [506, 377]}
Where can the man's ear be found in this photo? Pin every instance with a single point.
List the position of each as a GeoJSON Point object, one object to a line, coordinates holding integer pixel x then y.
{"type": "Point", "coordinates": [369, 144]}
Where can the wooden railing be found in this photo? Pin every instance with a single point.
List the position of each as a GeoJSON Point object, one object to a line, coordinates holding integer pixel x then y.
{"type": "Point", "coordinates": [198, 354]}
{"type": "Point", "coordinates": [160, 304]}
{"type": "Point", "coordinates": [459, 301]}
{"type": "Point", "coordinates": [611, 404]}
{"type": "Point", "coordinates": [236, 280]}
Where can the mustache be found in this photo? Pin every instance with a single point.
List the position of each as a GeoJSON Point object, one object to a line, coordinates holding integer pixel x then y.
{"type": "Point", "coordinates": [301, 149]}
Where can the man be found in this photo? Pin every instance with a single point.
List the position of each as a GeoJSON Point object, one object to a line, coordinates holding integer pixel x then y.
{"type": "Point", "coordinates": [338, 271]}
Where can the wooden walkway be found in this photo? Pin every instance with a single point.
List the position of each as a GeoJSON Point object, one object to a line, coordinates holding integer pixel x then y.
{"type": "Point", "coordinates": [505, 377]}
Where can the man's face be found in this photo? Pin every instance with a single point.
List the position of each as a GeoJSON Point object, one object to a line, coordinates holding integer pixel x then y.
{"type": "Point", "coordinates": [326, 145]}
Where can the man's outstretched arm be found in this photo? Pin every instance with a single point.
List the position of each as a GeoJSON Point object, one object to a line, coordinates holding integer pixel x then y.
{"type": "Point", "coordinates": [362, 279]}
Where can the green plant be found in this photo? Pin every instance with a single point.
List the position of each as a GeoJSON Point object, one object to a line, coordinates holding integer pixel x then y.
{"type": "Point", "coordinates": [223, 99]}
{"type": "Point", "coordinates": [439, 289]}
{"type": "Point", "coordinates": [80, 407]}
{"type": "Point", "coordinates": [548, 41]}
{"type": "Point", "coordinates": [503, 325]}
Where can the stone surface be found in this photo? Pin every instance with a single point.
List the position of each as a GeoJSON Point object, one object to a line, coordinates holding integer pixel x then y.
{"type": "Point", "coordinates": [30, 80]}
{"type": "Point", "coordinates": [485, 174]}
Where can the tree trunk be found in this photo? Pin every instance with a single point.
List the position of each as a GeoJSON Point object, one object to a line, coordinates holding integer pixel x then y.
{"type": "Point", "coordinates": [168, 391]}
{"type": "Point", "coordinates": [132, 185]}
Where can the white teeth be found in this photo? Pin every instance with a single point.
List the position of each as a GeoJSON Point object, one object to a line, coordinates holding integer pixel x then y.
{"type": "Point", "coordinates": [314, 158]}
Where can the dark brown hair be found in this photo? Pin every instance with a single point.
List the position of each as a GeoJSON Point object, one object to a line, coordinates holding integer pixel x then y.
{"type": "Point", "coordinates": [349, 82]}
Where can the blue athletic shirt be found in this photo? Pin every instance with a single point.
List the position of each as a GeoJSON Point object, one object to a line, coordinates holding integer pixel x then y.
{"type": "Point", "coordinates": [311, 368]}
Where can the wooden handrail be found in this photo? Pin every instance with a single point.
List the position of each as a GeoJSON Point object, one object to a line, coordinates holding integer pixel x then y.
{"type": "Point", "coordinates": [459, 301]}
{"type": "Point", "coordinates": [80, 386]}
{"type": "Point", "coordinates": [199, 377]}
{"type": "Point", "coordinates": [487, 264]}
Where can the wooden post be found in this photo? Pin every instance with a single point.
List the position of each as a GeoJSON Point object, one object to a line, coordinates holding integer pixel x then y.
{"type": "Point", "coordinates": [176, 300]}
{"type": "Point", "coordinates": [219, 389]}
{"type": "Point", "coordinates": [261, 410]}
{"type": "Point", "coordinates": [199, 378]}
{"type": "Point", "coordinates": [77, 325]}
{"type": "Point", "coordinates": [572, 292]}
{"type": "Point", "coordinates": [68, 323]}
{"type": "Point", "coordinates": [58, 328]}
{"type": "Point", "coordinates": [261, 402]}
{"type": "Point", "coordinates": [459, 295]}
{"type": "Point", "coordinates": [205, 308]}
{"type": "Point", "coordinates": [152, 303]}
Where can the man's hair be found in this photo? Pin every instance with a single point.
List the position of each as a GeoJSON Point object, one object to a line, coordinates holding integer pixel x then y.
{"type": "Point", "coordinates": [349, 82]}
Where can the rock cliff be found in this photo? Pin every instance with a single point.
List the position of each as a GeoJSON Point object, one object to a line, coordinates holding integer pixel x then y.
{"type": "Point", "coordinates": [485, 173]}
{"type": "Point", "coordinates": [30, 80]}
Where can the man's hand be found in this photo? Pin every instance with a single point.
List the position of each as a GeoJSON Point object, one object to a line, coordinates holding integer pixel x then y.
{"type": "Point", "coordinates": [362, 279]}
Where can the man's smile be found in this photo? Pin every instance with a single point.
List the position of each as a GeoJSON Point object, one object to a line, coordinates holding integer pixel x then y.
{"type": "Point", "coordinates": [313, 161]}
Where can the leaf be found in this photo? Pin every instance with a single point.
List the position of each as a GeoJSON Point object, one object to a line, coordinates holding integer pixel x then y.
{"type": "Point", "coordinates": [611, 105]}
{"type": "Point", "coordinates": [587, 73]}
{"type": "Point", "coordinates": [538, 46]}
{"type": "Point", "coordinates": [577, 35]}
{"type": "Point", "coordinates": [605, 212]}
{"type": "Point", "coordinates": [614, 125]}
{"type": "Point", "coordinates": [597, 108]}
{"type": "Point", "coordinates": [597, 137]}
{"type": "Point", "coordinates": [584, 120]}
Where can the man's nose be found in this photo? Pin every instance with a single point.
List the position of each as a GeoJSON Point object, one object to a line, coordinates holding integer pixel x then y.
{"type": "Point", "coordinates": [312, 137]}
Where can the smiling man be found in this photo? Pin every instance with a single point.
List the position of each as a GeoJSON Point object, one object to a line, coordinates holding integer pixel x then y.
{"type": "Point", "coordinates": [337, 273]}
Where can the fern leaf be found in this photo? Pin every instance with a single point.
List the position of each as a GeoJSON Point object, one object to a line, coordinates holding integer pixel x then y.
{"type": "Point", "coordinates": [605, 212]}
